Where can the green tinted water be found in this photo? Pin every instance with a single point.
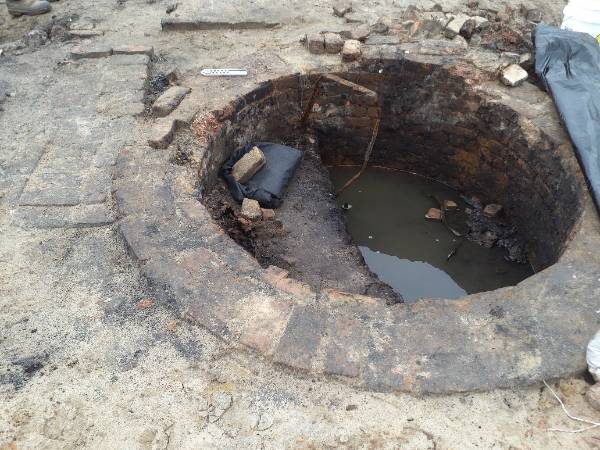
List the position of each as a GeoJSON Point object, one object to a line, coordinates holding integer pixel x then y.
{"type": "Point", "coordinates": [408, 252]}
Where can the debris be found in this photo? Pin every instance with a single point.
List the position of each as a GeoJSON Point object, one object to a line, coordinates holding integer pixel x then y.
{"type": "Point", "coordinates": [593, 356]}
{"type": "Point", "coordinates": [380, 27]}
{"type": "Point", "coordinates": [59, 32]}
{"type": "Point", "coordinates": [481, 23]}
{"type": "Point", "coordinates": [454, 251]}
{"type": "Point", "coordinates": [251, 209]}
{"type": "Point", "coordinates": [248, 165]}
{"type": "Point", "coordinates": [171, 7]}
{"type": "Point", "coordinates": [351, 407]}
{"type": "Point", "coordinates": [351, 50]}
{"type": "Point", "coordinates": [333, 43]}
{"type": "Point", "coordinates": [509, 58]}
{"type": "Point", "coordinates": [224, 72]}
{"type": "Point", "coordinates": [492, 210]}
{"type": "Point", "coordinates": [489, 239]}
{"type": "Point", "coordinates": [442, 210]}
{"type": "Point", "coordinates": [346, 206]}
{"type": "Point", "coordinates": [145, 303]}
{"type": "Point", "coordinates": [449, 204]}
{"type": "Point", "coordinates": [360, 33]}
{"type": "Point", "coordinates": [526, 59]}
{"type": "Point", "coordinates": [535, 15]}
{"type": "Point", "coordinates": [434, 214]}
{"type": "Point", "coordinates": [267, 214]}
{"type": "Point", "coordinates": [513, 75]}
{"type": "Point", "coordinates": [593, 396]}
{"type": "Point", "coordinates": [36, 38]}
{"type": "Point", "coordinates": [468, 28]}
{"type": "Point", "coordinates": [169, 100]}
{"type": "Point", "coordinates": [341, 8]}
{"type": "Point", "coordinates": [454, 26]}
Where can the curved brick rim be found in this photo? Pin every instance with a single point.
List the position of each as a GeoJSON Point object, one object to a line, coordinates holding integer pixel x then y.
{"type": "Point", "coordinates": [519, 335]}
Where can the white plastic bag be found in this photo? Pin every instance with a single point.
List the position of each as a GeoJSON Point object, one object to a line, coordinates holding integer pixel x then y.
{"type": "Point", "coordinates": [583, 16]}
{"type": "Point", "coordinates": [593, 356]}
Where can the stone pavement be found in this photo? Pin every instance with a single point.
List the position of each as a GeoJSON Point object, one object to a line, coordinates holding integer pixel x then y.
{"type": "Point", "coordinates": [58, 167]}
{"type": "Point", "coordinates": [88, 357]}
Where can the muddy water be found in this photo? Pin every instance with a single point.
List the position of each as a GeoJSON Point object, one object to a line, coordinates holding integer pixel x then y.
{"type": "Point", "coordinates": [408, 252]}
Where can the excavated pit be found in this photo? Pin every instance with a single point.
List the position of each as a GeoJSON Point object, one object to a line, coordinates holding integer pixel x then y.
{"type": "Point", "coordinates": [441, 118]}
{"type": "Point", "coordinates": [431, 124]}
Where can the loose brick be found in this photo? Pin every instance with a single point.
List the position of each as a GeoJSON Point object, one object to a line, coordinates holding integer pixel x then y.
{"type": "Point", "coordinates": [316, 44]}
{"type": "Point", "coordinates": [434, 214]}
{"type": "Point", "coordinates": [248, 165]}
{"type": "Point", "coordinates": [169, 100]}
{"type": "Point", "coordinates": [333, 43]}
{"type": "Point", "coordinates": [351, 50]}
{"type": "Point", "coordinates": [341, 8]}
{"type": "Point", "coordinates": [85, 34]}
{"type": "Point", "coordinates": [251, 209]}
{"type": "Point", "coordinates": [90, 52]}
{"type": "Point", "coordinates": [161, 135]}
{"type": "Point", "coordinates": [134, 50]}
{"type": "Point", "coordinates": [513, 75]}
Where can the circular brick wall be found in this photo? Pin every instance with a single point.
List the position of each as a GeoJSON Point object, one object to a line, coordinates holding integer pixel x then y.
{"type": "Point", "coordinates": [440, 117]}
{"type": "Point", "coordinates": [432, 123]}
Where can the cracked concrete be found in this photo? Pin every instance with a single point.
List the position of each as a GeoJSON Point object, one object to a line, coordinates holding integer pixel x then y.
{"type": "Point", "coordinates": [82, 362]}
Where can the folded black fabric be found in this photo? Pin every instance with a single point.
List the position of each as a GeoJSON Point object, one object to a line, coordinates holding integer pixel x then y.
{"type": "Point", "coordinates": [569, 65]}
{"type": "Point", "coordinates": [268, 185]}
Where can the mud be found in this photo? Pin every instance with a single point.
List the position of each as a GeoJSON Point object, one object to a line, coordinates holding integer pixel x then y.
{"type": "Point", "coordinates": [308, 236]}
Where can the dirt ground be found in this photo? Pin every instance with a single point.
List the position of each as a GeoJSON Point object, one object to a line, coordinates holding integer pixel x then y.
{"type": "Point", "coordinates": [88, 360]}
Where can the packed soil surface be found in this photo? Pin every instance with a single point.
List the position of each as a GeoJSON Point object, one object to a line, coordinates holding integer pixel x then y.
{"type": "Point", "coordinates": [307, 237]}
{"type": "Point", "coordinates": [88, 358]}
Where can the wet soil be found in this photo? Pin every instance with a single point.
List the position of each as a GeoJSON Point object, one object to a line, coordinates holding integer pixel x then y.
{"type": "Point", "coordinates": [404, 257]}
{"type": "Point", "coordinates": [308, 235]}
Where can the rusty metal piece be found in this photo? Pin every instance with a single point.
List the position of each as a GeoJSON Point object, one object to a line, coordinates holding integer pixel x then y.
{"type": "Point", "coordinates": [311, 102]}
{"type": "Point", "coordinates": [367, 154]}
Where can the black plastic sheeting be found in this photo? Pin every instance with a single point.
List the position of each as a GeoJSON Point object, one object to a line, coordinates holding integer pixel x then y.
{"type": "Point", "coordinates": [268, 185]}
{"type": "Point", "coordinates": [569, 65]}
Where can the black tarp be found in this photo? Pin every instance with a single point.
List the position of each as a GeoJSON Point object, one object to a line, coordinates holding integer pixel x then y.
{"type": "Point", "coordinates": [268, 185]}
{"type": "Point", "coordinates": [569, 65]}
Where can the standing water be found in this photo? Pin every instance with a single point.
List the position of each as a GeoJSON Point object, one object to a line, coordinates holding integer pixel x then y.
{"type": "Point", "coordinates": [386, 219]}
